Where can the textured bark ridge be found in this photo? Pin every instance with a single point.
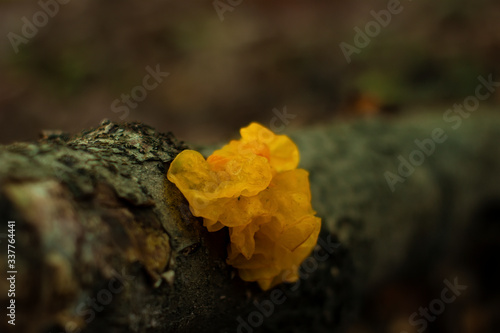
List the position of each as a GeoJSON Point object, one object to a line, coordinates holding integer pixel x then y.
{"type": "Point", "coordinates": [104, 243]}
{"type": "Point", "coordinates": [102, 237]}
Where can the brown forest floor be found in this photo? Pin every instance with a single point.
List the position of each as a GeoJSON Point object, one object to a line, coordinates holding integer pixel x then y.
{"type": "Point", "coordinates": [224, 74]}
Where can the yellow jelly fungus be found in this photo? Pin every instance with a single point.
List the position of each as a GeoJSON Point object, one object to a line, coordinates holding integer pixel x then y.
{"type": "Point", "coordinates": [252, 186]}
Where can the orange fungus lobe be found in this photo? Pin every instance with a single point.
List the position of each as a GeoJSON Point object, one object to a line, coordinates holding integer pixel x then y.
{"type": "Point", "coordinates": [252, 186]}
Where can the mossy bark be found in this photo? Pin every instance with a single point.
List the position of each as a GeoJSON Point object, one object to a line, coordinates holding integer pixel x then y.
{"type": "Point", "coordinates": [104, 243]}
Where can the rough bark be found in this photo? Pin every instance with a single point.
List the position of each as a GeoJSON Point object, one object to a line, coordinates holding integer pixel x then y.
{"type": "Point", "coordinates": [104, 243]}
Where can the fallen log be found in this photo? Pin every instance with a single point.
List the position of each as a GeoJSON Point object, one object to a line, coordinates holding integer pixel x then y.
{"type": "Point", "coordinates": [104, 243]}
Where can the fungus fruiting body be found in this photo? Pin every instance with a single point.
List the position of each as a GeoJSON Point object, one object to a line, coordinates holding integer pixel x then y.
{"type": "Point", "coordinates": [252, 186]}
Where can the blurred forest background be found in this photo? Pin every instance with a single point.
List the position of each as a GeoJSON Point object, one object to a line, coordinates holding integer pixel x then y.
{"type": "Point", "coordinates": [246, 64]}
{"type": "Point", "coordinates": [225, 73]}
